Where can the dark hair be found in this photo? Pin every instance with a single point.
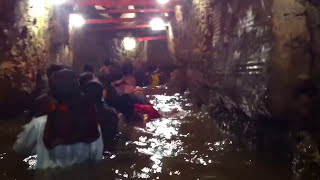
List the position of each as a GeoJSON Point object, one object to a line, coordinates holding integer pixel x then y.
{"type": "Point", "coordinates": [55, 67]}
{"type": "Point", "coordinates": [93, 91]}
{"type": "Point", "coordinates": [151, 68]}
{"type": "Point", "coordinates": [108, 62]}
{"type": "Point", "coordinates": [115, 74]}
{"type": "Point", "coordinates": [88, 68]}
{"type": "Point", "coordinates": [85, 78]}
{"type": "Point", "coordinates": [103, 78]}
{"type": "Point", "coordinates": [127, 68]}
{"type": "Point", "coordinates": [64, 85]}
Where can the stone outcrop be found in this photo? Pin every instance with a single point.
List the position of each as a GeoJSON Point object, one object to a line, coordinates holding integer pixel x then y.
{"type": "Point", "coordinates": [24, 51]}
{"type": "Point", "coordinates": [263, 55]}
{"type": "Point", "coordinates": [257, 61]}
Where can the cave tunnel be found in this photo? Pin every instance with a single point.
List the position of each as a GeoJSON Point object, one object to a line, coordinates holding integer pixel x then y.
{"type": "Point", "coordinates": [229, 89]}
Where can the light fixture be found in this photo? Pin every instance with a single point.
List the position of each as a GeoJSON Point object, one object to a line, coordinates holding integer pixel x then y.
{"type": "Point", "coordinates": [37, 8]}
{"type": "Point", "coordinates": [157, 24]}
{"type": "Point", "coordinates": [57, 2]}
{"type": "Point", "coordinates": [129, 15]}
{"type": "Point", "coordinates": [129, 43]}
{"type": "Point", "coordinates": [163, 1]}
{"type": "Point", "coordinates": [76, 20]}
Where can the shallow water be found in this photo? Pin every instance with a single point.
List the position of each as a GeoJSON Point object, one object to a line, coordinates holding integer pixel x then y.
{"type": "Point", "coordinates": [184, 144]}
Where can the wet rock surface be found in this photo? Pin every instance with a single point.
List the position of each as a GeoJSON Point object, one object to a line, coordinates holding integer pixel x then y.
{"type": "Point", "coordinates": [260, 53]}
{"type": "Point", "coordinates": [256, 62]}
{"type": "Point", "coordinates": [24, 50]}
{"type": "Point", "coordinates": [231, 47]}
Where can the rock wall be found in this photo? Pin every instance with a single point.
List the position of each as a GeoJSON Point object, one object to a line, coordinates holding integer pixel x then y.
{"type": "Point", "coordinates": [23, 48]}
{"type": "Point", "coordinates": [260, 56]}
{"type": "Point", "coordinates": [230, 44]}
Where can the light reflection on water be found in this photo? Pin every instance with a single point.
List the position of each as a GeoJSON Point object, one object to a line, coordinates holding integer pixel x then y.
{"type": "Point", "coordinates": [2, 155]}
{"type": "Point", "coordinates": [31, 161]}
{"type": "Point", "coordinates": [164, 141]}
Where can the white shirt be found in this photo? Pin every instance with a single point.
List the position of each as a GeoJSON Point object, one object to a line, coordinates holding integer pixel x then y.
{"type": "Point", "coordinates": [30, 142]}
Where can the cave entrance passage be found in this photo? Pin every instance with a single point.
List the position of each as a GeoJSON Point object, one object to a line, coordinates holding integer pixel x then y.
{"type": "Point", "coordinates": [134, 30]}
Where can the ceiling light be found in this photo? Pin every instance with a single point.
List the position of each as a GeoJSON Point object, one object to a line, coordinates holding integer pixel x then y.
{"type": "Point", "coordinates": [76, 20]}
{"type": "Point", "coordinates": [37, 8]}
{"type": "Point", "coordinates": [129, 43]}
{"type": "Point", "coordinates": [162, 1]}
{"type": "Point", "coordinates": [57, 2]}
{"type": "Point", "coordinates": [157, 24]}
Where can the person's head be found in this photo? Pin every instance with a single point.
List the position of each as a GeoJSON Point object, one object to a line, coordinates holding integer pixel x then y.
{"type": "Point", "coordinates": [151, 68]}
{"type": "Point", "coordinates": [71, 120]}
{"type": "Point", "coordinates": [108, 62]}
{"type": "Point", "coordinates": [127, 68]}
{"type": "Point", "coordinates": [64, 85]}
{"type": "Point", "coordinates": [107, 66]}
{"type": "Point", "coordinates": [103, 78]}
{"type": "Point", "coordinates": [85, 78]}
{"type": "Point", "coordinates": [115, 75]}
{"type": "Point", "coordinates": [54, 68]}
{"type": "Point", "coordinates": [93, 91]}
{"type": "Point", "coordinates": [88, 68]}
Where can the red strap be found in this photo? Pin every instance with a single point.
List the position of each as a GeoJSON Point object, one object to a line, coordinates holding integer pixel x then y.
{"type": "Point", "coordinates": [52, 107]}
{"type": "Point", "coordinates": [147, 109]}
{"type": "Point", "coordinates": [62, 107]}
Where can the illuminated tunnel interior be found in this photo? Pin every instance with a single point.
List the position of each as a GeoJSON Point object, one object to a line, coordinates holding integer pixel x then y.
{"type": "Point", "coordinates": [159, 89]}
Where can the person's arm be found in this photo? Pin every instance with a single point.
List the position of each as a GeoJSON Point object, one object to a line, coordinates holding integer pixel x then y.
{"type": "Point", "coordinates": [27, 139]}
{"type": "Point", "coordinates": [130, 80]}
{"type": "Point", "coordinates": [96, 148]}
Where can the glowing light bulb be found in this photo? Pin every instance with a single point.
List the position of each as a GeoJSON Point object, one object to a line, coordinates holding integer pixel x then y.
{"type": "Point", "coordinates": [163, 1]}
{"type": "Point", "coordinates": [37, 8]}
{"type": "Point", "coordinates": [129, 15]}
{"type": "Point", "coordinates": [129, 43]}
{"type": "Point", "coordinates": [57, 2]}
{"type": "Point", "coordinates": [76, 20]}
{"type": "Point", "coordinates": [157, 24]}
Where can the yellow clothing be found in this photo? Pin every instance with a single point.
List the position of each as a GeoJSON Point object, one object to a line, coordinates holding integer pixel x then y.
{"type": "Point", "coordinates": [155, 79]}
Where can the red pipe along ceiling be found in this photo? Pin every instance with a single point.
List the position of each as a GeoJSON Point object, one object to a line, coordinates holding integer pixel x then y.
{"type": "Point", "coordinates": [119, 11]}
{"type": "Point", "coordinates": [140, 39]}
{"type": "Point", "coordinates": [120, 20]}
{"type": "Point", "coordinates": [121, 27]}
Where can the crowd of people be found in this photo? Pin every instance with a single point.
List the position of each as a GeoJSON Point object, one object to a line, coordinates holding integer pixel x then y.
{"type": "Point", "coordinates": [76, 118]}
